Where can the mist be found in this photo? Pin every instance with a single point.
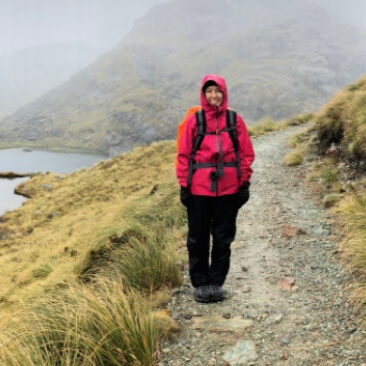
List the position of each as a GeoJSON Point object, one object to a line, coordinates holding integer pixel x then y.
{"type": "Point", "coordinates": [351, 12]}
{"type": "Point", "coordinates": [100, 23]}
{"type": "Point", "coordinates": [103, 23]}
{"type": "Point", "coordinates": [43, 43]}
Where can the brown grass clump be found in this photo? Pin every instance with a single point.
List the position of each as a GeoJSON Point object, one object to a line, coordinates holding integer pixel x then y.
{"type": "Point", "coordinates": [266, 124]}
{"type": "Point", "coordinates": [84, 259]}
{"type": "Point", "coordinates": [294, 157]}
{"type": "Point", "coordinates": [336, 145]}
{"type": "Point", "coordinates": [342, 122]}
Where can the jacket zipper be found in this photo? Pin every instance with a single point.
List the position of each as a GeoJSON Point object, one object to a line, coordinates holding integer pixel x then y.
{"type": "Point", "coordinates": [217, 147]}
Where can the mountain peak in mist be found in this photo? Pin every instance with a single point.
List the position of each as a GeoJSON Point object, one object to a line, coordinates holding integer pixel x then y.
{"type": "Point", "coordinates": [279, 59]}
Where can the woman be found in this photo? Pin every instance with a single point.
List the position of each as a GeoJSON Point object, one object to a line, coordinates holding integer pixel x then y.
{"type": "Point", "coordinates": [214, 184]}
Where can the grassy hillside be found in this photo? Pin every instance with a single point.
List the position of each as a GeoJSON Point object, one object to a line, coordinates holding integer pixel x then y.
{"type": "Point", "coordinates": [88, 261]}
{"type": "Point", "coordinates": [336, 145]}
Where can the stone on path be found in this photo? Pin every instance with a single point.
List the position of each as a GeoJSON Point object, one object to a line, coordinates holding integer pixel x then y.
{"type": "Point", "coordinates": [218, 323]}
{"type": "Point", "coordinates": [291, 231]}
{"type": "Point", "coordinates": [241, 354]}
{"type": "Point", "coordinates": [285, 284]}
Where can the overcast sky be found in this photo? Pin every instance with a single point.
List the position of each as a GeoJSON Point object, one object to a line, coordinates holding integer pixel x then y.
{"type": "Point", "coordinates": [26, 23]}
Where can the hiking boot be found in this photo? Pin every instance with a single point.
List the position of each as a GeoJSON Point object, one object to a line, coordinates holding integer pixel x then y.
{"type": "Point", "coordinates": [202, 294]}
{"type": "Point", "coordinates": [217, 293]}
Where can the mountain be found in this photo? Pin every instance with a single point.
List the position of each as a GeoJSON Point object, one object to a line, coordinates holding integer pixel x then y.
{"type": "Point", "coordinates": [28, 73]}
{"type": "Point", "coordinates": [279, 59]}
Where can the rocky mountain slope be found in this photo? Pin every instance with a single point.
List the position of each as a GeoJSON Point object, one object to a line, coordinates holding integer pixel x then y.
{"type": "Point", "coordinates": [279, 59]}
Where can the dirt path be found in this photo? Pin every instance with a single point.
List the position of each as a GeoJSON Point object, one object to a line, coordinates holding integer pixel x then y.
{"type": "Point", "coordinates": [287, 303]}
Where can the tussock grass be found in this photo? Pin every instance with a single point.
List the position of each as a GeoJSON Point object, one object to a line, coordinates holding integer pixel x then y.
{"type": "Point", "coordinates": [343, 122]}
{"type": "Point", "coordinates": [336, 143]}
{"type": "Point", "coordinates": [88, 261]}
{"type": "Point", "coordinates": [294, 157]}
{"type": "Point", "coordinates": [83, 261]}
{"type": "Point", "coordinates": [353, 210]}
{"type": "Point", "coordinates": [266, 124]}
{"type": "Point", "coordinates": [91, 327]}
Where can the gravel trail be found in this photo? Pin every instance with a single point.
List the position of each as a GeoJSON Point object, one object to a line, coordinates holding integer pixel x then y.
{"type": "Point", "coordinates": [287, 300]}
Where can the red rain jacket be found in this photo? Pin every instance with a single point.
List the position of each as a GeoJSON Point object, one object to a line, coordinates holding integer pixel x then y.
{"type": "Point", "coordinates": [209, 151]}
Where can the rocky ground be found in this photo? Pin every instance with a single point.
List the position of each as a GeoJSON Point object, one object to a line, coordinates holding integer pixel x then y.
{"type": "Point", "coordinates": [287, 290]}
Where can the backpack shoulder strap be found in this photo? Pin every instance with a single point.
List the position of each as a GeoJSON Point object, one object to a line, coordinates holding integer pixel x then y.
{"type": "Point", "coordinates": [201, 129]}
{"type": "Point", "coordinates": [231, 126]}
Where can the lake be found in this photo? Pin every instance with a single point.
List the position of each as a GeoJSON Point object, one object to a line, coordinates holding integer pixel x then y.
{"type": "Point", "coordinates": [20, 161]}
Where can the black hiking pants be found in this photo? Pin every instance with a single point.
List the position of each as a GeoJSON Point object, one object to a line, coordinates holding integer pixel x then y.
{"type": "Point", "coordinates": [216, 216]}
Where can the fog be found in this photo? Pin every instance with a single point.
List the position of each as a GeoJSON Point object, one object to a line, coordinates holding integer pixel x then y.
{"type": "Point", "coordinates": [103, 23]}
{"type": "Point", "coordinates": [352, 12]}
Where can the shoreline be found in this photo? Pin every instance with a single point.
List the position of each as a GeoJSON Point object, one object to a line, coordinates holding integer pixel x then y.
{"type": "Point", "coordinates": [62, 150]}
{"type": "Point", "coordinates": [14, 175]}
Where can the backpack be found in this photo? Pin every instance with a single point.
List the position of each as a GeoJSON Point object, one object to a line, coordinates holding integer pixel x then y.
{"type": "Point", "coordinates": [201, 133]}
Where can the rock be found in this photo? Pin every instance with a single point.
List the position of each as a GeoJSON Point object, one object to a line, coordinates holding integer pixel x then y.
{"type": "Point", "coordinates": [188, 316]}
{"type": "Point", "coordinates": [290, 231]}
{"type": "Point", "coordinates": [244, 269]}
{"type": "Point", "coordinates": [46, 186]}
{"type": "Point", "coordinates": [321, 232]}
{"type": "Point", "coordinates": [334, 150]}
{"type": "Point", "coordinates": [285, 356]}
{"type": "Point", "coordinates": [52, 215]}
{"type": "Point", "coordinates": [246, 289]}
{"type": "Point", "coordinates": [218, 323]}
{"type": "Point", "coordinates": [274, 319]}
{"type": "Point", "coordinates": [285, 284]}
{"type": "Point", "coordinates": [241, 354]}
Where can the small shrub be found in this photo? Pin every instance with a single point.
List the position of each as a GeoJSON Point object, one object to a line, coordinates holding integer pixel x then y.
{"type": "Point", "coordinates": [293, 158]}
{"type": "Point", "coordinates": [329, 175]}
{"type": "Point", "coordinates": [149, 265]}
{"type": "Point", "coordinates": [262, 127]}
{"type": "Point", "coordinates": [331, 200]}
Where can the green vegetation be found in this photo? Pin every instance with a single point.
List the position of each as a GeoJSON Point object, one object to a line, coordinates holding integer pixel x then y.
{"type": "Point", "coordinates": [336, 143]}
{"type": "Point", "coordinates": [266, 125]}
{"type": "Point", "coordinates": [343, 122]}
{"type": "Point", "coordinates": [294, 157]}
{"type": "Point", "coordinates": [88, 262]}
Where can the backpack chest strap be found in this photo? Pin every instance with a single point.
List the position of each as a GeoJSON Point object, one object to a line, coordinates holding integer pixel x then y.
{"type": "Point", "coordinates": [201, 133]}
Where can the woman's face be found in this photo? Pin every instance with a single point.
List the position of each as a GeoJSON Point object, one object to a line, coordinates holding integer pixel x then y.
{"type": "Point", "coordinates": [214, 95]}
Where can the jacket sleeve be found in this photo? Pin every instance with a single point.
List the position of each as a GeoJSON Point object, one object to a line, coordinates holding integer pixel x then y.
{"type": "Point", "coordinates": [246, 151]}
{"type": "Point", "coordinates": [185, 151]}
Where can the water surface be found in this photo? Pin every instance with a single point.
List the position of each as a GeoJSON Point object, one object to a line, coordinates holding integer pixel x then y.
{"type": "Point", "coordinates": [20, 161]}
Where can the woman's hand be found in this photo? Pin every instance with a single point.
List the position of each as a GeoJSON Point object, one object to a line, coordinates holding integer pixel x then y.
{"type": "Point", "coordinates": [243, 194]}
{"type": "Point", "coordinates": [185, 196]}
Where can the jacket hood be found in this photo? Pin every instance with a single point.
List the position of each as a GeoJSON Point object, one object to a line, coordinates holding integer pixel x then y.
{"type": "Point", "coordinates": [220, 81]}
